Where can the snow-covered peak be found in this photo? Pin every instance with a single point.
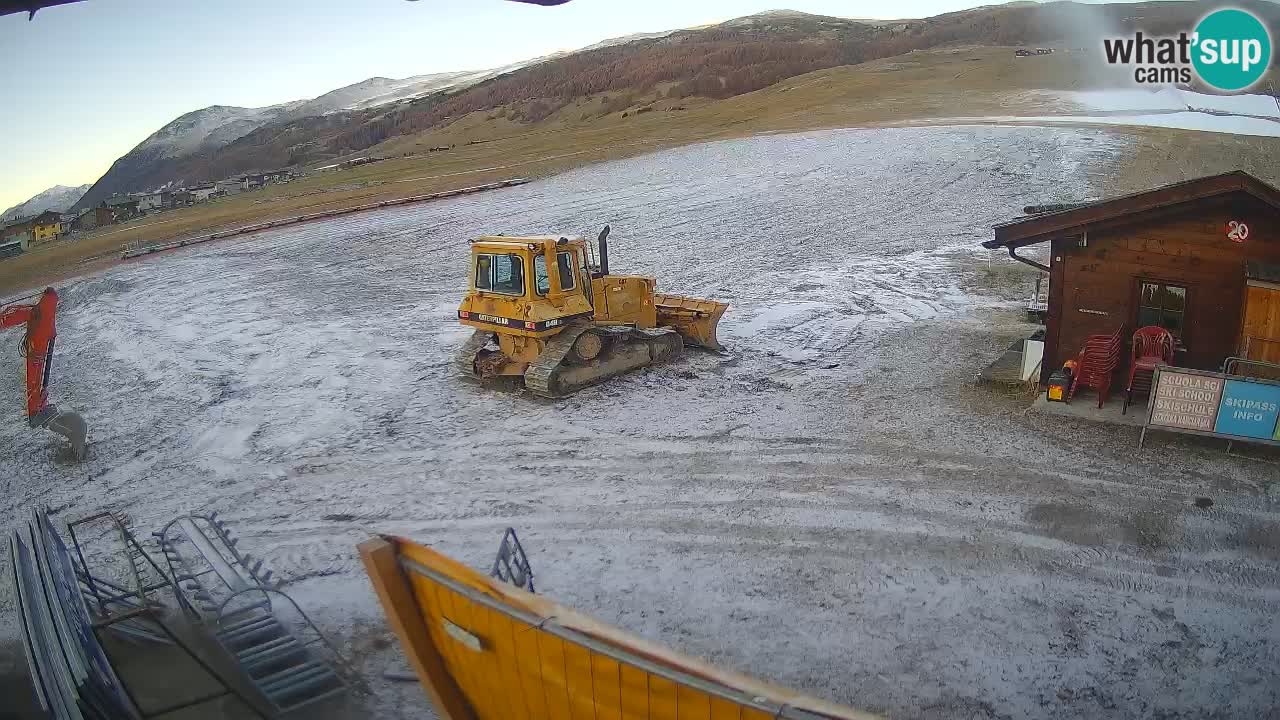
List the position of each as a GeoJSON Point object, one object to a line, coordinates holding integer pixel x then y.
{"type": "Point", "coordinates": [58, 197]}
{"type": "Point", "coordinates": [210, 128]}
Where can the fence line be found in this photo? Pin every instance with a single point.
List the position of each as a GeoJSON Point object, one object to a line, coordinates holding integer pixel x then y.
{"type": "Point", "coordinates": [137, 248]}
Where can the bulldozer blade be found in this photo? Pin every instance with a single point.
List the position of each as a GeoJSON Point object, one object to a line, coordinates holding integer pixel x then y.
{"type": "Point", "coordinates": [694, 318]}
{"type": "Point", "coordinates": [73, 427]}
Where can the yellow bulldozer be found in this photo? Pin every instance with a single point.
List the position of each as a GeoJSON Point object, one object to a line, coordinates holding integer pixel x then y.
{"type": "Point", "coordinates": [545, 310]}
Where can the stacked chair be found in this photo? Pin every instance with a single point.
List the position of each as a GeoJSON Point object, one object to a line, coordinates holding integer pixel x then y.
{"type": "Point", "coordinates": [1096, 364]}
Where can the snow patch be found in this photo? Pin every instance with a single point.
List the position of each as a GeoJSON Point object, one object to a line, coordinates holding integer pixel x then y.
{"type": "Point", "coordinates": [1175, 99]}
{"type": "Point", "coordinates": [1169, 108]}
{"type": "Point", "coordinates": [1231, 124]}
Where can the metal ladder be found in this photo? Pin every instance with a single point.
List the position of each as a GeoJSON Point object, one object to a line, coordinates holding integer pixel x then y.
{"type": "Point", "coordinates": [282, 665]}
{"type": "Point", "coordinates": [234, 593]}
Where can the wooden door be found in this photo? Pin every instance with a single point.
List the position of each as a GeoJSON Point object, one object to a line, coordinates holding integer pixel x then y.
{"type": "Point", "coordinates": [1260, 332]}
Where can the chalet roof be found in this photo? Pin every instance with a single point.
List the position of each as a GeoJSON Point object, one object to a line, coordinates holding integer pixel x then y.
{"type": "Point", "coordinates": [39, 218]}
{"type": "Point", "coordinates": [1039, 228]}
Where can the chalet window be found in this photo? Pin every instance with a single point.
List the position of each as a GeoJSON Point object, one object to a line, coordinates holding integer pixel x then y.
{"type": "Point", "coordinates": [1164, 305]}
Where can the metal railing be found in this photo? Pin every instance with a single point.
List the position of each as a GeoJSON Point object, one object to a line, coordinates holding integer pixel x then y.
{"type": "Point", "coordinates": [1252, 368]}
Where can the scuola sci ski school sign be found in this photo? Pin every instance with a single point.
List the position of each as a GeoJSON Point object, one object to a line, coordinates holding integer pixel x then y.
{"type": "Point", "coordinates": [1229, 49]}
{"type": "Point", "coordinates": [1199, 402]}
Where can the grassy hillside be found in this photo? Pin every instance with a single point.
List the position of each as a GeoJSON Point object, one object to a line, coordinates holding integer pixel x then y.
{"type": "Point", "coordinates": [716, 62]}
{"type": "Point", "coordinates": [755, 52]}
{"type": "Point", "coordinates": [487, 146]}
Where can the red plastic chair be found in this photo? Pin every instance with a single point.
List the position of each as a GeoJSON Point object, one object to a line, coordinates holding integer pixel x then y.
{"type": "Point", "coordinates": [1096, 365]}
{"type": "Point", "coordinates": [1152, 347]}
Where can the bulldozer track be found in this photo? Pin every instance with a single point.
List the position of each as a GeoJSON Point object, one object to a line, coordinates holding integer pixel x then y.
{"type": "Point", "coordinates": [538, 378]}
{"type": "Point", "coordinates": [669, 339]}
{"type": "Point", "coordinates": [542, 377]}
{"type": "Point", "coordinates": [466, 358]}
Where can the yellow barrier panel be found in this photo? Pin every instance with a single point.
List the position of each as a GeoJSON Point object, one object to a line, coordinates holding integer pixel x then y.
{"type": "Point", "coordinates": [488, 650]}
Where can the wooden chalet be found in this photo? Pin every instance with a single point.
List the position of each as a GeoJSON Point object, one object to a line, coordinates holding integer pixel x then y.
{"type": "Point", "coordinates": [1200, 258]}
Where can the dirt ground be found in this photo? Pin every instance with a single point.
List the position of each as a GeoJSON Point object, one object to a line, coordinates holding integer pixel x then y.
{"type": "Point", "coordinates": [833, 505]}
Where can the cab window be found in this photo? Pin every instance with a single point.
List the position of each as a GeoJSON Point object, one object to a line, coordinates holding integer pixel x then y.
{"type": "Point", "coordinates": [500, 274]}
{"type": "Point", "coordinates": [564, 266]}
{"type": "Point", "coordinates": [564, 262]}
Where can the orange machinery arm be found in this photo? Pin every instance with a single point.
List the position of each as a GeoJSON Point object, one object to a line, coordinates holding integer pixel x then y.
{"type": "Point", "coordinates": [37, 347]}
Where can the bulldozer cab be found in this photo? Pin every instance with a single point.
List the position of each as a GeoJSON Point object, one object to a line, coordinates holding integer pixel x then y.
{"type": "Point", "coordinates": [519, 267]}
{"type": "Point", "coordinates": [527, 285]}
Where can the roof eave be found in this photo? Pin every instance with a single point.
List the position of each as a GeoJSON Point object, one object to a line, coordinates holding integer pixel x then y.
{"type": "Point", "coordinates": [1003, 240]}
{"type": "Point", "coordinates": [1236, 181]}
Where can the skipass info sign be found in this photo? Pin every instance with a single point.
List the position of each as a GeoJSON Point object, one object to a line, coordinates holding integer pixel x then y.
{"type": "Point", "coordinates": [1250, 410]}
{"type": "Point", "coordinates": [1208, 403]}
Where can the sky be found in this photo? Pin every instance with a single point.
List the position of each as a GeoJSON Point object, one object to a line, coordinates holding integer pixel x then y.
{"type": "Point", "coordinates": [84, 83]}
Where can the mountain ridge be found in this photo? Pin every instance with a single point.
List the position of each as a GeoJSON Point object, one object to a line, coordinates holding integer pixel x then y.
{"type": "Point", "coordinates": [58, 197]}
{"type": "Point", "coordinates": [174, 154]}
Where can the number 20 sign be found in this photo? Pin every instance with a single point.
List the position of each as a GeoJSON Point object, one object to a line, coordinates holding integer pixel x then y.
{"type": "Point", "coordinates": [1237, 231]}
